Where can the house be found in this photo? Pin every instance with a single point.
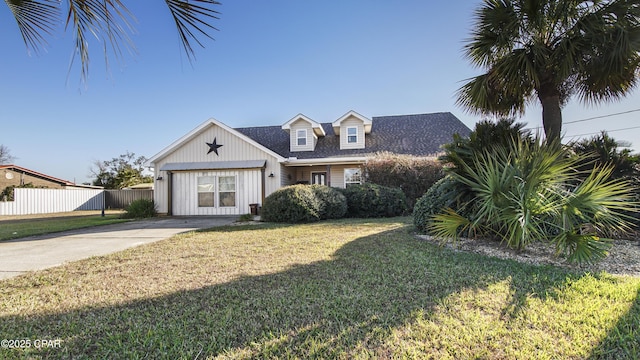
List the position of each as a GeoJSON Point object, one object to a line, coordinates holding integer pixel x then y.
{"type": "Point", "coordinates": [219, 170]}
{"type": "Point", "coordinates": [13, 175]}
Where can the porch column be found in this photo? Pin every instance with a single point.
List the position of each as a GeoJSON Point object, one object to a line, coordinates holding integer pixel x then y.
{"type": "Point", "coordinates": [328, 175]}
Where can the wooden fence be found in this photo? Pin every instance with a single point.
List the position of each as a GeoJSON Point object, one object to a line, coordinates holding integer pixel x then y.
{"type": "Point", "coordinates": [42, 201]}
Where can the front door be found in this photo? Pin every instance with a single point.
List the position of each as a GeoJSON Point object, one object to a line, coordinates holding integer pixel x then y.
{"type": "Point", "coordinates": [319, 178]}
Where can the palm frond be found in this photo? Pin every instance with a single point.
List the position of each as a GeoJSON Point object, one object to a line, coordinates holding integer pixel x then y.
{"type": "Point", "coordinates": [448, 225]}
{"type": "Point", "coordinates": [192, 18]}
{"type": "Point", "coordinates": [35, 19]}
{"type": "Point", "coordinates": [108, 21]}
{"type": "Point", "coordinates": [581, 248]}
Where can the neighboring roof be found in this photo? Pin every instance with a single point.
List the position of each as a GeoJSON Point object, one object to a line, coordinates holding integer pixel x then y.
{"type": "Point", "coordinates": [420, 135]}
{"type": "Point", "coordinates": [20, 169]}
{"type": "Point", "coordinates": [199, 129]}
{"type": "Point", "coordinates": [218, 165]}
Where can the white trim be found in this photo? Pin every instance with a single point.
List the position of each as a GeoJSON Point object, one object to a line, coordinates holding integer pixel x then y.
{"type": "Point", "coordinates": [355, 135]}
{"type": "Point", "coordinates": [298, 137]}
{"type": "Point", "coordinates": [325, 161]}
{"type": "Point", "coordinates": [366, 122]}
{"type": "Point", "coordinates": [199, 129]}
{"type": "Point", "coordinates": [317, 128]}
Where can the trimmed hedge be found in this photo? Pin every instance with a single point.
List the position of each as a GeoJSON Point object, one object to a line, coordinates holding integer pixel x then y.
{"type": "Point", "coordinates": [372, 200]}
{"type": "Point", "coordinates": [440, 196]}
{"type": "Point", "coordinates": [291, 204]}
{"type": "Point", "coordinates": [333, 205]}
{"type": "Point", "coordinates": [414, 175]}
{"type": "Point", "coordinates": [304, 203]}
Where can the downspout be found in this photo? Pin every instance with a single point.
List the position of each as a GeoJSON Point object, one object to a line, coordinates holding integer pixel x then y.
{"type": "Point", "coordinates": [170, 193]}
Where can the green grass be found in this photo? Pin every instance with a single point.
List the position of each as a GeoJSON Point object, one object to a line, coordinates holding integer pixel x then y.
{"type": "Point", "coordinates": [13, 229]}
{"type": "Point", "coordinates": [340, 289]}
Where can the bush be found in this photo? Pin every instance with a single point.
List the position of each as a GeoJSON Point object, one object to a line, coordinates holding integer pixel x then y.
{"type": "Point", "coordinates": [292, 204]}
{"type": "Point", "coordinates": [414, 175]}
{"type": "Point", "coordinates": [333, 205]}
{"type": "Point", "coordinates": [531, 191]}
{"type": "Point", "coordinates": [372, 200]}
{"type": "Point", "coordinates": [141, 208]}
{"type": "Point", "coordinates": [440, 196]}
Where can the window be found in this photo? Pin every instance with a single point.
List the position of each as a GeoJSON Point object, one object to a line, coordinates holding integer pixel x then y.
{"type": "Point", "coordinates": [352, 135]}
{"type": "Point", "coordinates": [301, 136]}
{"type": "Point", "coordinates": [206, 191]}
{"type": "Point", "coordinates": [227, 191]}
{"type": "Point", "coordinates": [352, 176]}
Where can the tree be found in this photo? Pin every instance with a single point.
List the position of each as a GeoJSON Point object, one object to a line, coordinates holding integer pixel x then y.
{"type": "Point", "coordinates": [123, 171]}
{"type": "Point", "coordinates": [5, 155]}
{"type": "Point", "coordinates": [108, 21]}
{"type": "Point", "coordinates": [551, 50]}
{"type": "Point", "coordinates": [602, 149]}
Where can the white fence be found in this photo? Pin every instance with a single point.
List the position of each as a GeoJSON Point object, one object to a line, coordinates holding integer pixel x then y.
{"type": "Point", "coordinates": [42, 201]}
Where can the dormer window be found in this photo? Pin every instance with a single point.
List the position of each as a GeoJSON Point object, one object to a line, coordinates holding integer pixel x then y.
{"type": "Point", "coordinates": [303, 133]}
{"type": "Point", "coordinates": [352, 128]}
{"type": "Point", "coordinates": [352, 135]}
{"type": "Point", "coordinates": [301, 137]}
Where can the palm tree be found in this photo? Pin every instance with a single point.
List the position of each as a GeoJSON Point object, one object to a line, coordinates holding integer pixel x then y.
{"type": "Point", "coordinates": [107, 20]}
{"type": "Point", "coordinates": [551, 49]}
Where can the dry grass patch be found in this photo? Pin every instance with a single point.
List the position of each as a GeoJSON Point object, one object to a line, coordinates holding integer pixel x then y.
{"type": "Point", "coordinates": [339, 289]}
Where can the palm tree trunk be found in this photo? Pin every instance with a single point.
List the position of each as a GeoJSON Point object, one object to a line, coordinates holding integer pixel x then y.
{"type": "Point", "coordinates": [551, 116]}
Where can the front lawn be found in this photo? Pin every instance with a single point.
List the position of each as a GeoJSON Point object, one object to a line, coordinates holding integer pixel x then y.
{"type": "Point", "coordinates": [14, 227]}
{"type": "Point", "coordinates": [338, 289]}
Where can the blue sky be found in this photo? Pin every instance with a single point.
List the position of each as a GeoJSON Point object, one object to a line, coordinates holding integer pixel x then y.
{"type": "Point", "coordinates": [270, 61]}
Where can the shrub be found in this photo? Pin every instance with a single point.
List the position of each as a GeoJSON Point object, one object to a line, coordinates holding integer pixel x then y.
{"type": "Point", "coordinates": [333, 205]}
{"type": "Point", "coordinates": [414, 175]}
{"type": "Point", "coordinates": [292, 204]}
{"type": "Point", "coordinates": [372, 200]}
{"type": "Point", "coordinates": [528, 191]}
{"type": "Point", "coordinates": [141, 208]}
{"type": "Point", "coordinates": [440, 196]}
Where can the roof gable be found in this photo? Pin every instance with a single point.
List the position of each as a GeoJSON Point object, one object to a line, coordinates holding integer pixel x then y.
{"type": "Point", "coordinates": [317, 128]}
{"type": "Point", "coordinates": [200, 129]}
{"type": "Point", "coordinates": [365, 121]}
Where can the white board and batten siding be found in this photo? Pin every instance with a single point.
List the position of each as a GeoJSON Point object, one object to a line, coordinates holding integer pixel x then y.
{"type": "Point", "coordinates": [194, 149]}
{"type": "Point", "coordinates": [185, 191]}
{"type": "Point", "coordinates": [43, 201]}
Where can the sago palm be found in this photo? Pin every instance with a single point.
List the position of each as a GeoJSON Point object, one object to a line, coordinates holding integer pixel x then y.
{"type": "Point", "coordinates": [550, 50]}
{"type": "Point", "coordinates": [109, 21]}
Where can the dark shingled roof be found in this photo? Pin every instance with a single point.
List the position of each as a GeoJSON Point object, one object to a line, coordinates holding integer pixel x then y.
{"type": "Point", "coordinates": [420, 135]}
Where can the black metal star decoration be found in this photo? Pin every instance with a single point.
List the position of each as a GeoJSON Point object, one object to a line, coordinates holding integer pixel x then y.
{"type": "Point", "coordinates": [213, 146]}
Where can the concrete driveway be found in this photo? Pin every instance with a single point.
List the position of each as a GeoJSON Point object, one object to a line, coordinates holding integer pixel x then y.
{"type": "Point", "coordinates": [44, 251]}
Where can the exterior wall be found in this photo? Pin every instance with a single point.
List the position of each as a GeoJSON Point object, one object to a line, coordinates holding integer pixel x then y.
{"type": "Point", "coordinates": [311, 138]}
{"type": "Point", "coordinates": [288, 176]}
{"type": "Point", "coordinates": [20, 178]}
{"type": "Point", "coordinates": [335, 174]}
{"type": "Point", "coordinates": [351, 122]}
{"type": "Point", "coordinates": [248, 191]}
{"type": "Point", "coordinates": [195, 150]}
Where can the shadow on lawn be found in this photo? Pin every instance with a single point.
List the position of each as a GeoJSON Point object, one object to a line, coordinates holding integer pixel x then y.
{"type": "Point", "coordinates": [622, 340]}
{"type": "Point", "coordinates": [351, 302]}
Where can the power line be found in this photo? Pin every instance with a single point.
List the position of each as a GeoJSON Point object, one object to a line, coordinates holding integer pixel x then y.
{"type": "Point", "coordinates": [593, 118]}
{"type": "Point", "coordinates": [602, 116]}
{"type": "Point", "coordinates": [598, 132]}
